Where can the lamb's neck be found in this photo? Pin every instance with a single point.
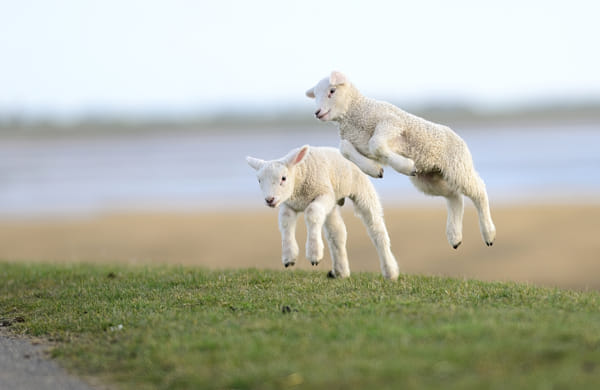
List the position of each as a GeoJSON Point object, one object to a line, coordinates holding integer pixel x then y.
{"type": "Point", "coordinates": [357, 113]}
{"type": "Point", "coordinates": [300, 196]}
{"type": "Point", "coordinates": [300, 174]}
{"type": "Point", "coordinates": [299, 178]}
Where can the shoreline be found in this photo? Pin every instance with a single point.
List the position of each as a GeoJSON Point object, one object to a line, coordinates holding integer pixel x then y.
{"type": "Point", "coordinates": [548, 245]}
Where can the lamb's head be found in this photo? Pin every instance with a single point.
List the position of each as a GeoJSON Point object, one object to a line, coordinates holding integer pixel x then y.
{"type": "Point", "coordinates": [277, 177]}
{"type": "Point", "coordinates": [332, 95]}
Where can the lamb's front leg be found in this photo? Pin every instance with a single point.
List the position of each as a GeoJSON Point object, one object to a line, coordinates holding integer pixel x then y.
{"type": "Point", "coordinates": [315, 215]}
{"type": "Point", "coordinates": [379, 147]}
{"type": "Point", "coordinates": [287, 227]}
{"type": "Point", "coordinates": [368, 166]}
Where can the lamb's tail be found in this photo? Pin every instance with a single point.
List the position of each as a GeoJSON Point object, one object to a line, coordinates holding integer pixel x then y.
{"type": "Point", "coordinates": [368, 207]}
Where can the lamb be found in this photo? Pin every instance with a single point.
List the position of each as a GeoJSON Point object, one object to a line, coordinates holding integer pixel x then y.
{"type": "Point", "coordinates": [375, 133]}
{"type": "Point", "coordinates": [316, 181]}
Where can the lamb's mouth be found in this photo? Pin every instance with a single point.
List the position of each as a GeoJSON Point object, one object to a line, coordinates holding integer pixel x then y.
{"type": "Point", "coordinates": [322, 115]}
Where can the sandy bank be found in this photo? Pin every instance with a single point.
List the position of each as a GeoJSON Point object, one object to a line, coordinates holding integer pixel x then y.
{"type": "Point", "coordinates": [547, 245]}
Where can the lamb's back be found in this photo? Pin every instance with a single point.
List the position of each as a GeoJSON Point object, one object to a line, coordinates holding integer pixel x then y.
{"type": "Point", "coordinates": [427, 143]}
{"type": "Point", "coordinates": [324, 171]}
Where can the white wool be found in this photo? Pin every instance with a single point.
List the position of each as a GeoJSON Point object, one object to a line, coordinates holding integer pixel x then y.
{"type": "Point", "coordinates": [316, 181]}
{"type": "Point", "coordinates": [375, 133]}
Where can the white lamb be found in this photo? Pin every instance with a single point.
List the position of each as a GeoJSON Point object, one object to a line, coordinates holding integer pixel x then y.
{"type": "Point", "coordinates": [375, 133]}
{"type": "Point", "coordinates": [317, 180]}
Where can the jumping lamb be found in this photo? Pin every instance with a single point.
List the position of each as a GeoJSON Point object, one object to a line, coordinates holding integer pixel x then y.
{"type": "Point", "coordinates": [316, 181]}
{"type": "Point", "coordinates": [375, 133]}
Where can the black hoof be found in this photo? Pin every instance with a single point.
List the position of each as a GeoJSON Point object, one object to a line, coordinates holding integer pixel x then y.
{"type": "Point", "coordinates": [341, 202]}
{"type": "Point", "coordinates": [314, 263]}
{"type": "Point", "coordinates": [456, 245]}
{"type": "Point", "coordinates": [290, 264]}
{"type": "Point", "coordinates": [330, 275]}
{"type": "Point", "coordinates": [286, 309]}
{"type": "Point", "coordinates": [381, 173]}
{"type": "Point", "coordinates": [489, 243]}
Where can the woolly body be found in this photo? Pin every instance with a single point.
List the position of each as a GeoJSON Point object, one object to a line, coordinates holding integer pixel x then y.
{"type": "Point", "coordinates": [375, 133]}
{"type": "Point", "coordinates": [316, 181]}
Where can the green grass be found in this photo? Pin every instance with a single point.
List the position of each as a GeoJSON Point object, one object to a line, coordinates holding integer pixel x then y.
{"type": "Point", "coordinates": [192, 328]}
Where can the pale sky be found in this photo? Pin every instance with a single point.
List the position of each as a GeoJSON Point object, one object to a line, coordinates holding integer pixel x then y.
{"type": "Point", "coordinates": [72, 56]}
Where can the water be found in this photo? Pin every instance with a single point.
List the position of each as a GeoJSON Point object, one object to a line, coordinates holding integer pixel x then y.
{"type": "Point", "coordinates": [185, 170]}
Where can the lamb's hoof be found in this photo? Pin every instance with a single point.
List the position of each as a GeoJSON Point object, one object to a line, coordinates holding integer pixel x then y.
{"type": "Point", "coordinates": [489, 243]}
{"type": "Point", "coordinates": [380, 173]}
{"type": "Point", "coordinates": [455, 246]}
{"type": "Point", "coordinates": [330, 275]}
{"type": "Point", "coordinates": [314, 262]}
{"type": "Point", "coordinates": [341, 202]}
{"type": "Point", "coordinates": [290, 264]}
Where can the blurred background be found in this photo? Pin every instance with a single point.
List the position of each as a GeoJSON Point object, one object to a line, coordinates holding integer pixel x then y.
{"type": "Point", "coordinates": [124, 127]}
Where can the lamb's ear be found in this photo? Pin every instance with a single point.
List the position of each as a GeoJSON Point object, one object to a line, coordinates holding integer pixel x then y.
{"type": "Point", "coordinates": [311, 93]}
{"type": "Point", "coordinates": [255, 163]}
{"type": "Point", "coordinates": [337, 78]}
{"type": "Point", "coordinates": [297, 156]}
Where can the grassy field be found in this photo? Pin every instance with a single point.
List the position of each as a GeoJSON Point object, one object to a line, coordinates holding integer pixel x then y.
{"type": "Point", "coordinates": [159, 327]}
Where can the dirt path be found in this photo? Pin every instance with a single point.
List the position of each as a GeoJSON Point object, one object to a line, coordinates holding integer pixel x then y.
{"type": "Point", "coordinates": [24, 366]}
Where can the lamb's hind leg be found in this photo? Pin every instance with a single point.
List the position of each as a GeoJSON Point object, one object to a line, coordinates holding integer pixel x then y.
{"type": "Point", "coordinates": [373, 220]}
{"type": "Point", "coordinates": [434, 183]}
{"type": "Point", "coordinates": [335, 232]}
{"type": "Point", "coordinates": [478, 194]}
{"type": "Point", "coordinates": [455, 205]}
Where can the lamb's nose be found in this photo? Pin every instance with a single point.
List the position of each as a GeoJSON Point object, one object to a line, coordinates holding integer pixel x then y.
{"type": "Point", "coordinates": [269, 200]}
{"type": "Point", "coordinates": [317, 112]}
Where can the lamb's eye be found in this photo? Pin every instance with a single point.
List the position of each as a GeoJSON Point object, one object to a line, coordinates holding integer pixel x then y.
{"type": "Point", "coordinates": [332, 91]}
{"type": "Point", "coordinates": [283, 178]}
